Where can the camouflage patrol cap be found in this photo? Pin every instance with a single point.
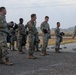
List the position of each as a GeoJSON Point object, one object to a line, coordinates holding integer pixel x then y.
{"type": "Point", "coordinates": [21, 19]}
{"type": "Point", "coordinates": [1, 8]}
{"type": "Point", "coordinates": [32, 15]}
{"type": "Point", "coordinates": [46, 17]}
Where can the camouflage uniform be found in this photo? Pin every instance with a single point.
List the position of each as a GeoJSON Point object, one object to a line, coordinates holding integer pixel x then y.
{"type": "Point", "coordinates": [21, 35]}
{"type": "Point", "coordinates": [46, 36]}
{"type": "Point", "coordinates": [74, 33]}
{"type": "Point", "coordinates": [37, 41]}
{"type": "Point", "coordinates": [12, 38]}
{"type": "Point", "coordinates": [32, 33]}
{"type": "Point", "coordinates": [3, 37]}
{"type": "Point", "coordinates": [25, 37]}
{"type": "Point", "coordinates": [16, 37]}
{"type": "Point", "coordinates": [58, 38]}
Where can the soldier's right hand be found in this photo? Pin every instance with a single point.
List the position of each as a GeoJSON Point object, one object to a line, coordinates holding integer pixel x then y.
{"type": "Point", "coordinates": [73, 37]}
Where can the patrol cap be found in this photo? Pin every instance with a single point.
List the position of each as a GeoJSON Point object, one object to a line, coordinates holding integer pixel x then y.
{"type": "Point", "coordinates": [32, 15]}
{"type": "Point", "coordinates": [46, 16]}
{"type": "Point", "coordinates": [1, 8]}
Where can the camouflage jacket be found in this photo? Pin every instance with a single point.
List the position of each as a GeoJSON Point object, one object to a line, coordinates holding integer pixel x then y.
{"type": "Point", "coordinates": [32, 28]}
{"type": "Point", "coordinates": [74, 33]}
{"type": "Point", "coordinates": [45, 25]}
{"type": "Point", "coordinates": [21, 29]}
{"type": "Point", "coordinates": [3, 25]}
{"type": "Point", "coordinates": [57, 32]}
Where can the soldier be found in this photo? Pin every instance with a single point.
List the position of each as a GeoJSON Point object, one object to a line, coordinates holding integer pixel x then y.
{"type": "Point", "coordinates": [58, 38]}
{"type": "Point", "coordinates": [74, 34]}
{"type": "Point", "coordinates": [32, 32]}
{"type": "Point", "coordinates": [12, 38]}
{"type": "Point", "coordinates": [15, 28]}
{"type": "Point", "coordinates": [25, 38]}
{"type": "Point", "coordinates": [46, 35]}
{"type": "Point", "coordinates": [21, 35]}
{"type": "Point", "coordinates": [3, 37]}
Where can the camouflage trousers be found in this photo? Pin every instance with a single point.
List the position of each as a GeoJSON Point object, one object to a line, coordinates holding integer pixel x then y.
{"type": "Point", "coordinates": [37, 46]}
{"type": "Point", "coordinates": [3, 45]}
{"type": "Point", "coordinates": [21, 41]}
{"type": "Point", "coordinates": [45, 42]}
{"type": "Point", "coordinates": [31, 44]}
{"type": "Point", "coordinates": [12, 41]}
{"type": "Point", "coordinates": [57, 44]}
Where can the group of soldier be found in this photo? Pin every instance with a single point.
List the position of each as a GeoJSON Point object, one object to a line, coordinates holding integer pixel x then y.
{"type": "Point", "coordinates": [11, 32]}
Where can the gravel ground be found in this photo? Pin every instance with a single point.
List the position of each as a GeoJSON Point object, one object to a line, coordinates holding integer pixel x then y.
{"type": "Point", "coordinates": [54, 64]}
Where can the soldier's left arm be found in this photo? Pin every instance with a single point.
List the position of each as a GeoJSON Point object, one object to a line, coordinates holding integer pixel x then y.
{"type": "Point", "coordinates": [26, 26]}
{"type": "Point", "coordinates": [74, 33]}
{"type": "Point", "coordinates": [1, 22]}
{"type": "Point", "coordinates": [49, 28]}
{"type": "Point", "coordinates": [43, 27]}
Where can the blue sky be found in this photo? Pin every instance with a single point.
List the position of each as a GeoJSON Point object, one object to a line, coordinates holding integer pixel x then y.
{"type": "Point", "coordinates": [63, 11]}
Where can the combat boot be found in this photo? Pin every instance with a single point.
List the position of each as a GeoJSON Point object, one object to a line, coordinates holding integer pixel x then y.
{"type": "Point", "coordinates": [42, 53]}
{"type": "Point", "coordinates": [57, 50]}
{"type": "Point", "coordinates": [32, 57]}
{"type": "Point", "coordinates": [13, 48]}
{"type": "Point", "coordinates": [46, 53]}
{"type": "Point", "coordinates": [23, 48]}
{"type": "Point", "coordinates": [21, 51]}
{"type": "Point", "coordinates": [7, 62]}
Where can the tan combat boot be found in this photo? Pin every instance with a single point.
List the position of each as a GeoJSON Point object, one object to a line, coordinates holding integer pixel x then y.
{"type": "Point", "coordinates": [42, 53]}
{"type": "Point", "coordinates": [57, 50]}
{"type": "Point", "coordinates": [21, 52]}
{"type": "Point", "coordinates": [32, 57]}
{"type": "Point", "coordinates": [7, 62]}
{"type": "Point", "coordinates": [46, 53]}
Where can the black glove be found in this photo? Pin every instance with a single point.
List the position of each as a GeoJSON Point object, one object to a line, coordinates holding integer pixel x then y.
{"type": "Point", "coordinates": [62, 33]}
{"type": "Point", "coordinates": [27, 32]}
{"type": "Point", "coordinates": [45, 31]}
{"type": "Point", "coordinates": [15, 27]}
